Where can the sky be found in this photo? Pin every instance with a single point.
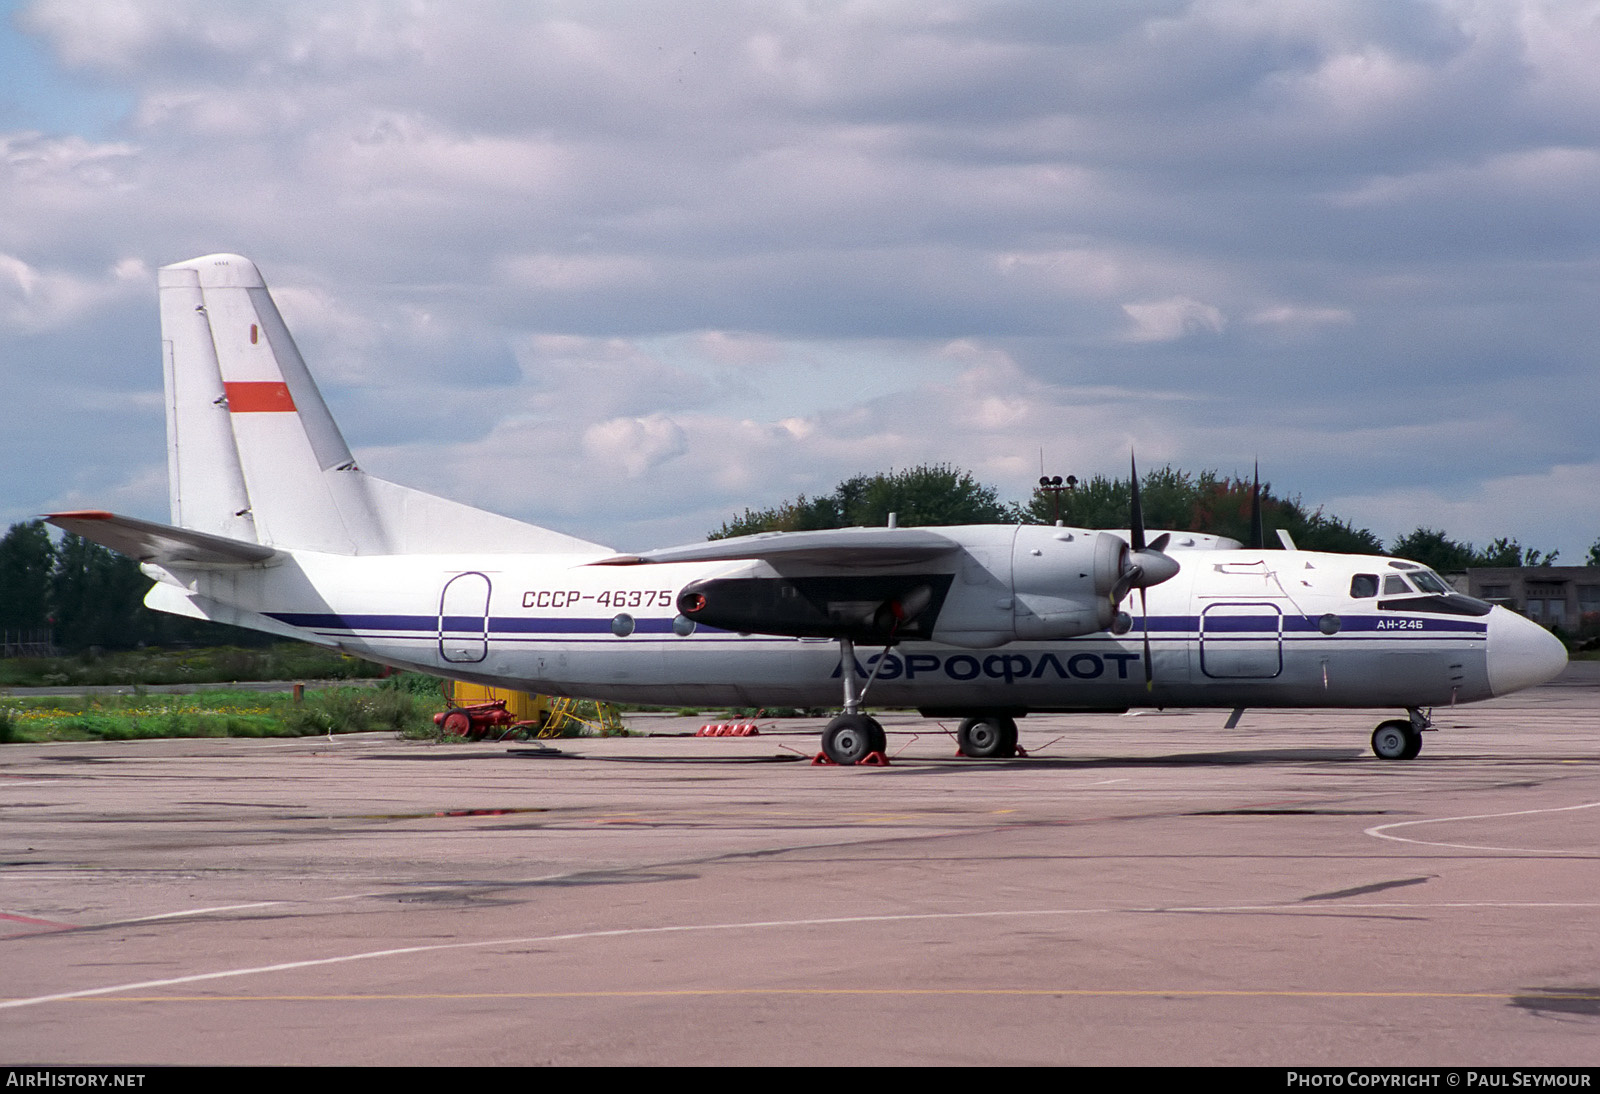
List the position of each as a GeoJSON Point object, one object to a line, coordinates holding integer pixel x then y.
{"type": "Point", "coordinates": [626, 269]}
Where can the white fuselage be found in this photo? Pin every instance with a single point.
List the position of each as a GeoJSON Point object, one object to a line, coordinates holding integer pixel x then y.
{"type": "Point", "coordinates": [1233, 628]}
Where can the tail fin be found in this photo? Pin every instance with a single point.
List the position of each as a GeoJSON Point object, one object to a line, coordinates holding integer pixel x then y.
{"type": "Point", "coordinates": [253, 453]}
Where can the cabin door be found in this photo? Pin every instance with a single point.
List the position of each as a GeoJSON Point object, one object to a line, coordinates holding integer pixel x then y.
{"type": "Point", "coordinates": [464, 618]}
{"type": "Point", "coordinates": [1241, 641]}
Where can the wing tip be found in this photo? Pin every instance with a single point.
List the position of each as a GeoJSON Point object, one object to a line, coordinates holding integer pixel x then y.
{"type": "Point", "coordinates": [80, 514]}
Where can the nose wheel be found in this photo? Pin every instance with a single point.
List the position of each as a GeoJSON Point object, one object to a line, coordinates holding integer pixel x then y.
{"type": "Point", "coordinates": [1397, 740]}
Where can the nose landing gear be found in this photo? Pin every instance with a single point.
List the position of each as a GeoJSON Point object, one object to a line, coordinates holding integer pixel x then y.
{"type": "Point", "coordinates": [1400, 739]}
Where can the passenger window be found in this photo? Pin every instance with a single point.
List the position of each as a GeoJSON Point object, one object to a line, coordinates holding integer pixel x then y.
{"type": "Point", "coordinates": [1395, 585]}
{"type": "Point", "coordinates": [1364, 585]}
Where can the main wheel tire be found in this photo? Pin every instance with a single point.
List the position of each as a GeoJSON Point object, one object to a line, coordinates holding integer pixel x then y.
{"type": "Point", "coordinates": [849, 738]}
{"type": "Point", "coordinates": [1008, 747]}
{"type": "Point", "coordinates": [987, 738]}
{"type": "Point", "coordinates": [1396, 740]}
{"type": "Point", "coordinates": [458, 722]}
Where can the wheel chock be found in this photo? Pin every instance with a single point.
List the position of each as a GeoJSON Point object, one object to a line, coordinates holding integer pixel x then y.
{"type": "Point", "coordinates": [871, 759]}
{"type": "Point", "coordinates": [728, 729]}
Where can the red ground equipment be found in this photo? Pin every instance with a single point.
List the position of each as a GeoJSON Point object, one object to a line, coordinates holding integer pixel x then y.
{"type": "Point", "coordinates": [477, 721]}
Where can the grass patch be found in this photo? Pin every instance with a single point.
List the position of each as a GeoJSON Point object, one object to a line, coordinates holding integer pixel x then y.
{"type": "Point", "coordinates": [218, 665]}
{"type": "Point", "coordinates": [217, 714]}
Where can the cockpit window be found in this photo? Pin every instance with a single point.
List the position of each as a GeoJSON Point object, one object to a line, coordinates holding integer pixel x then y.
{"type": "Point", "coordinates": [1363, 585]}
{"type": "Point", "coordinates": [1430, 582]}
{"type": "Point", "coordinates": [1395, 585]}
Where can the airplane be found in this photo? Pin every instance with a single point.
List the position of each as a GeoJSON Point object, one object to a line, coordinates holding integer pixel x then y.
{"type": "Point", "coordinates": [275, 527]}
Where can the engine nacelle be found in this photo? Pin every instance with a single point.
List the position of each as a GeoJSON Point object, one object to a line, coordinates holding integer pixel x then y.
{"type": "Point", "coordinates": [1009, 584]}
{"type": "Point", "coordinates": [1062, 580]}
{"type": "Point", "coordinates": [1041, 583]}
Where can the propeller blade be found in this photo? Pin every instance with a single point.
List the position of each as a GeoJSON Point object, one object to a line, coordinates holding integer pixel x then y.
{"type": "Point", "coordinates": [1136, 515]}
{"type": "Point", "coordinates": [1258, 537]}
{"type": "Point", "coordinates": [1144, 625]}
{"type": "Point", "coordinates": [1138, 564]}
{"type": "Point", "coordinates": [1126, 581]}
{"type": "Point", "coordinates": [1144, 564]}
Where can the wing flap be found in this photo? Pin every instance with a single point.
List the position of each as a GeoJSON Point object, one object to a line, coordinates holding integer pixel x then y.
{"type": "Point", "coordinates": [162, 544]}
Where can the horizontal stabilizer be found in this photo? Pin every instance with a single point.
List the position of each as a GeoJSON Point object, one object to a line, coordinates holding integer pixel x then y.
{"type": "Point", "coordinates": [167, 598]}
{"type": "Point", "coordinates": [160, 543]}
{"type": "Point", "coordinates": [863, 547]}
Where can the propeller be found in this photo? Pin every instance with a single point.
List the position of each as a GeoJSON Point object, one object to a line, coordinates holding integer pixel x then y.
{"type": "Point", "coordinates": [1258, 535]}
{"type": "Point", "coordinates": [1143, 566]}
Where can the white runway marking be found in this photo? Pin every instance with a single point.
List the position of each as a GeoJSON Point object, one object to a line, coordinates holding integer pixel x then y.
{"type": "Point", "coordinates": [756, 925]}
{"type": "Point", "coordinates": [1381, 831]}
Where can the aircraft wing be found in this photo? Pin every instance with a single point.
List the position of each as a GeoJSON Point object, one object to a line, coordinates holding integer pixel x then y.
{"type": "Point", "coordinates": [148, 541]}
{"type": "Point", "coordinates": [863, 548]}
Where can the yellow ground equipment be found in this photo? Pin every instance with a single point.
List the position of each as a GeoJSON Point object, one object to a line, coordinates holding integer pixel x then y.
{"type": "Point", "coordinates": [568, 715]}
{"type": "Point", "coordinates": [475, 710]}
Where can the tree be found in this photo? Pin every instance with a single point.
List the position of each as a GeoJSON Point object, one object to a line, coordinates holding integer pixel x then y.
{"type": "Point", "coordinates": [27, 558]}
{"type": "Point", "coordinates": [923, 496]}
{"type": "Point", "coordinates": [1508, 552]}
{"type": "Point", "coordinates": [1434, 549]}
{"type": "Point", "coordinates": [1167, 497]}
{"type": "Point", "coordinates": [800, 515]}
{"type": "Point", "coordinates": [1207, 503]}
{"type": "Point", "coordinates": [97, 596]}
{"type": "Point", "coordinates": [1594, 554]}
{"type": "Point", "coordinates": [929, 495]}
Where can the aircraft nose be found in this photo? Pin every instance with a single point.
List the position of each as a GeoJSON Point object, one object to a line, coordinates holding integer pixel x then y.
{"type": "Point", "coordinates": [1521, 653]}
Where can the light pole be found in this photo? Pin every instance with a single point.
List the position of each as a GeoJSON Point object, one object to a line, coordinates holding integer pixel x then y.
{"type": "Point", "coordinates": [1054, 487]}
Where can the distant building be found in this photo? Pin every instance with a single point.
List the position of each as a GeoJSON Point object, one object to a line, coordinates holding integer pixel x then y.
{"type": "Point", "coordinates": [34, 643]}
{"type": "Point", "coordinates": [1556, 596]}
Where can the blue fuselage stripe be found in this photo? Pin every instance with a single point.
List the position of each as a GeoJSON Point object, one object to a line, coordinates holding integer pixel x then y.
{"type": "Point", "coordinates": [1165, 627]}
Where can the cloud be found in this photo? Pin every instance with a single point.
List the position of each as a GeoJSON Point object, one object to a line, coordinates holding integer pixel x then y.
{"type": "Point", "coordinates": [1540, 510]}
{"type": "Point", "coordinates": [634, 444]}
{"type": "Point", "coordinates": [1173, 318]}
{"type": "Point", "coordinates": [630, 269]}
{"type": "Point", "coordinates": [33, 301]}
{"type": "Point", "coordinates": [1299, 315]}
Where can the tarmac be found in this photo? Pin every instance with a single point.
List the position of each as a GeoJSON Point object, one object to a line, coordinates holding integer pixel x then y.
{"type": "Point", "coordinates": [1148, 888]}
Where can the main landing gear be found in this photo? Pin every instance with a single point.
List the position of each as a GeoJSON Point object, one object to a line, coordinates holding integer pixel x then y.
{"type": "Point", "coordinates": [988, 737]}
{"type": "Point", "coordinates": [853, 737]}
{"type": "Point", "coordinates": [1400, 739]}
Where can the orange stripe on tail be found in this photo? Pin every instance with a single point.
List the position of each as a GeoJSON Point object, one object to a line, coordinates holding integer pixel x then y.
{"type": "Point", "coordinates": [258, 397]}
